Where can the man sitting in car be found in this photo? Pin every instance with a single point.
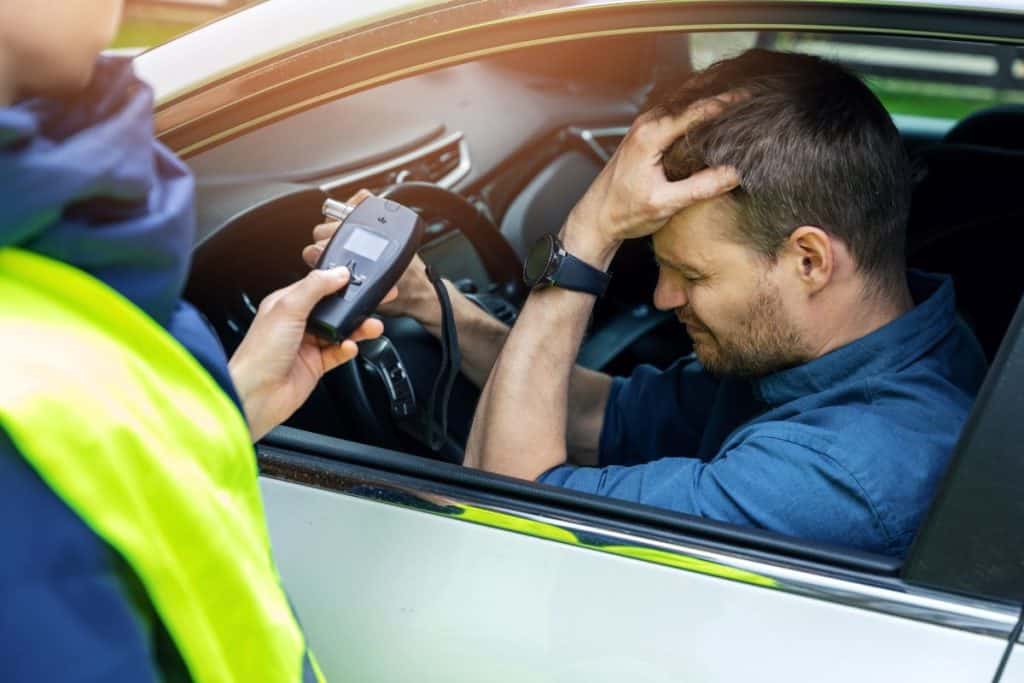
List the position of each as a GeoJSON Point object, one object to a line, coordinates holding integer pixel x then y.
{"type": "Point", "coordinates": [827, 385]}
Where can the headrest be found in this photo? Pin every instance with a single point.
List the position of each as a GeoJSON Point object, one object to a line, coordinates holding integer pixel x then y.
{"type": "Point", "coordinates": [982, 157]}
{"type": "Point", "coordinates": [1001, 126]}
{"type": "Point", "coordinates": [966, 184]}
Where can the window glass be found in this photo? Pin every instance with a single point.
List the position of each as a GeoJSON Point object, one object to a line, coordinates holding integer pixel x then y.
{"type": "Point", "coordinates": [911, 76]}
{"type": "Point", "coordinates": [708, 48]}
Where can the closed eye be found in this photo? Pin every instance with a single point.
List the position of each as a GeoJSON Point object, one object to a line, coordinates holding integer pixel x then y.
{"type": "Point", "coordinates": [685, 272]}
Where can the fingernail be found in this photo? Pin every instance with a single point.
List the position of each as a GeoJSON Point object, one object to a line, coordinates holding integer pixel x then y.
{"type": "Point", "coordinates": [339, 272]}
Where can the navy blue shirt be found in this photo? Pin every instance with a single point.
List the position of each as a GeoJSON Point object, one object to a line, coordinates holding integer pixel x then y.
{"type": "Point", "coordinates": [847, 449]}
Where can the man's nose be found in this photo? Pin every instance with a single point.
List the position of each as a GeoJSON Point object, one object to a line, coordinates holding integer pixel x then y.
{"type": "Point", "coordinates": [668, 295]}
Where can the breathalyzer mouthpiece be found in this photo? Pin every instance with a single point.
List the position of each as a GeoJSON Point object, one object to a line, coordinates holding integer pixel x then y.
{"type": "Point", "coordinates": [336, 210]}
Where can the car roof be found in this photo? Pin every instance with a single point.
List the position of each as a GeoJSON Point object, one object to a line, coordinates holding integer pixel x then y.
{"type": "Point", "coordinates": [273, 27]}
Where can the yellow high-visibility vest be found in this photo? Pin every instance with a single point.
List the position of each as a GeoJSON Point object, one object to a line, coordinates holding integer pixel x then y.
{"type": "Point", "coordinates": [130, 431]}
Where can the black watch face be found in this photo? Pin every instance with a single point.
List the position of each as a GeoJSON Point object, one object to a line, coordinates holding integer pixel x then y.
{"type": "Point", "coordinates": [537, 261]}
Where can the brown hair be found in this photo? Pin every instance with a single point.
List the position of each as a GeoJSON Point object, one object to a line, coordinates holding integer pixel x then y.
{"type": "Point", "coordinates": [813, 146]}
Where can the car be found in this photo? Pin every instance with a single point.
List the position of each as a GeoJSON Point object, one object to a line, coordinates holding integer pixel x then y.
{"type": "Point", "coordinates": [491, 118]}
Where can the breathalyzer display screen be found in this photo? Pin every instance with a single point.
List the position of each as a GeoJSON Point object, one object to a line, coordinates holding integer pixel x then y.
{"type": "Point", "coordinates": [366, 244]}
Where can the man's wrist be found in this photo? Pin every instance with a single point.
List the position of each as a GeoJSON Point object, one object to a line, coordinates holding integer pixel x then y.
{"type": "Point", "coordinates": [427, 308]}
{"type": "Point", "coordinates": [586, 243]}
{"type": "Point", "coordinates": [424, 308]}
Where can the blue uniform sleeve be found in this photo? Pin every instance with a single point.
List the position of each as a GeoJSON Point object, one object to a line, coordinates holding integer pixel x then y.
{"type": "Point", "coordinates": [654, 410]}
{"type": "Point", "coordinates": [764, 482]}
{"type": "Point", "coordinates": [65, 612]}
{"type": "Point", "coordinates": [195, 333]}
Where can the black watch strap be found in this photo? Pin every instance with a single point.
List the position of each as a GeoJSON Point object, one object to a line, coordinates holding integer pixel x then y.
{"type": "Point", "coordinates": [579, 276]}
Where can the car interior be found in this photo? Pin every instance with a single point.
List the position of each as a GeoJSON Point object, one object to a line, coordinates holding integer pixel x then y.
{"type": "Point", "coordinates": [493, 153]}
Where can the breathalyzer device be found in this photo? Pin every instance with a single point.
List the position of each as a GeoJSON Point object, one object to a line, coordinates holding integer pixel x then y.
{"type": "Point", "coordinates": [376, 242]}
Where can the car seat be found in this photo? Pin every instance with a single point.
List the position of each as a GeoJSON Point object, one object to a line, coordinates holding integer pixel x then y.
{"type": "Point", "coordinates": [966, 214]}
{"type": "Point", "coordinates": [998, 127]}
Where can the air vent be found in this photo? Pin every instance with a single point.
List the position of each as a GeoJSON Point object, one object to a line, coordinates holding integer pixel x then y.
{"type": "Point", "coordinates": [443, 162]}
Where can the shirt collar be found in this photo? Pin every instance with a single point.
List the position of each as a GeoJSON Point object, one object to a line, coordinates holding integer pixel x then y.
{"type": "Point", "coordinates": [888, 348]}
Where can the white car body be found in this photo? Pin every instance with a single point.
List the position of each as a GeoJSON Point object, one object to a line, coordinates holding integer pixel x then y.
{"type": "Point", "coordinates": [393, 594]}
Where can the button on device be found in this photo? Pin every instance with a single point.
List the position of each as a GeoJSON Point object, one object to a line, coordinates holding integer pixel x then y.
{"type": "Point", "coordinates": [352, 288]}
{"type": "Point", "coordinates": [355, 278]}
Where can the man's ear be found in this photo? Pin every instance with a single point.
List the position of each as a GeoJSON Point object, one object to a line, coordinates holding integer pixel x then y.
{"type": "Point", "coordinates": [813, 257]}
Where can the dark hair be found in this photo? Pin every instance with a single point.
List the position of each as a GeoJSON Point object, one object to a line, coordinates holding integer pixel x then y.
{"type": "Point", "coordinates": [813, 146]}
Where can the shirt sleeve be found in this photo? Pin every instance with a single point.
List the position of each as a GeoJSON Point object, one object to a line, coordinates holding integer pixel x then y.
{"type": "Point", "coordinates": [656, 408]}
{"type": "Point", "coordinates": [195, 333]}
{"type": "Point", "coordinates": [764, 482]}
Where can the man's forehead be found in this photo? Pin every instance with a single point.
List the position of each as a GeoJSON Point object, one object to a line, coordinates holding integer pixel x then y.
{"type": "Point", "coordinates": [694, 235]}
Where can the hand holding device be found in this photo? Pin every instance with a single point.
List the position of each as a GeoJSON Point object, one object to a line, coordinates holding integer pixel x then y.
{"type": "Point", "coordinates": [278, 363]}
{"type": "Point", "coordinates": [376, 241]}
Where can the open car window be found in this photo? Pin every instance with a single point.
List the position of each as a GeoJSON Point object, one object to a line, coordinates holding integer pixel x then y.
{"type": "Point", "coordinates": [934, 79]}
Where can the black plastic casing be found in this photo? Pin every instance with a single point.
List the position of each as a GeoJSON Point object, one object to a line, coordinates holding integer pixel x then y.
{"type": "Point", "coordinates": [338, 315]}
{"type": "Point", "coordinates": [535, 273]}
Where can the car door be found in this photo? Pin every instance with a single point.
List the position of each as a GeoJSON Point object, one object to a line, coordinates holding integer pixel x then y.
{"type": "Point", "coordinates": [403, 570]}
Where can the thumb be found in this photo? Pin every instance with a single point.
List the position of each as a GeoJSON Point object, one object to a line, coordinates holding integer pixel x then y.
{"type": "Point", "coordinates": [301, 297]}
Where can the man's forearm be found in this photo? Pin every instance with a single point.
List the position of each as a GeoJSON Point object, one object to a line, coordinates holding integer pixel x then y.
{"type": "Point", "coordinates": [481, 335]}
{"type": "Point", "coordinates": [481, 338]}
{"type": "Point", "coordinates": [588, 396]}
{"type": "Point", "coordinates": [521, 423]}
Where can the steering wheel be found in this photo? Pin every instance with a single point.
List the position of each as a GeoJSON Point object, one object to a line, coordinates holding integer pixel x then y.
{"type": "Point", "coordinates": [435, 203]}
{"type": "Point", "coordinates": [356, 386]}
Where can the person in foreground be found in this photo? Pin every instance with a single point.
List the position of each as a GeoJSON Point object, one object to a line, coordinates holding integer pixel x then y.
{"type": "Point", "coordinates": [132, 533]}
{"type": "Point", "coordinates": [827, 385]}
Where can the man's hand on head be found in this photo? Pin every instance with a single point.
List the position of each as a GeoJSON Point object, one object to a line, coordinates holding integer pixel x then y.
{"type": "Point", "coordinates": [632, 197]}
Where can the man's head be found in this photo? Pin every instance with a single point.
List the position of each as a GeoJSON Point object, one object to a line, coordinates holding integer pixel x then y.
{"type": "Point", "coordinates": [818, 220]}
{"type": "Point", "coordinates": [48, 47]}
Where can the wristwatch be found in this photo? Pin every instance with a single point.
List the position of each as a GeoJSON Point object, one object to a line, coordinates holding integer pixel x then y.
{"type": "Point", "coordinates": [548, 263]}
